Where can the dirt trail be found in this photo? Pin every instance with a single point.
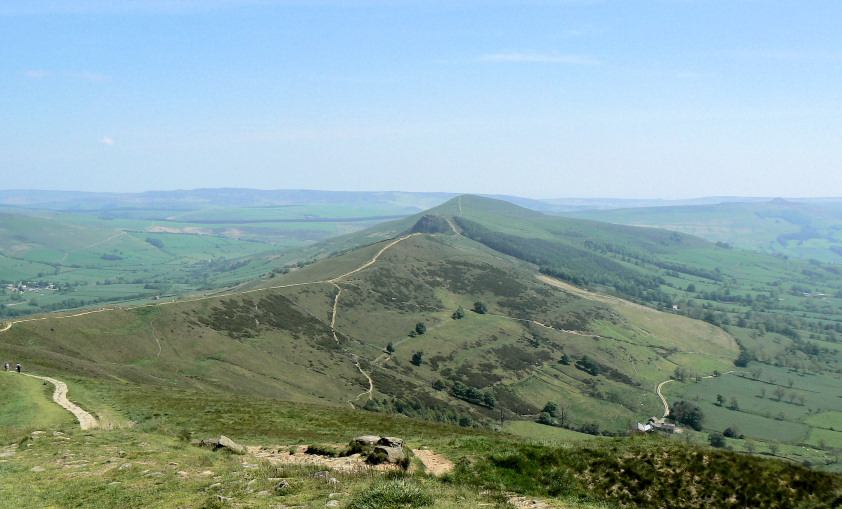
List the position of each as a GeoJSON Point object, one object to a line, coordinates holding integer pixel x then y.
{"type": "Point", "coordinates": [86, 420]}
{"type": "Point", "coordinates": [589, 295]}
{"type": "Point", "coordinates": [436, 464]}
{"type": "Point", "coordinates": [373, 260]}
{"type": "Point", "coordinates": [334, 281]}
{"type": "Point", "coordinates": [152, 327]}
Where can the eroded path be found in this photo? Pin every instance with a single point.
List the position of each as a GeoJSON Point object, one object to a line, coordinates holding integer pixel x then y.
{"type": "Point", "coordinates": [86, 420]}
{"type": "Point", "coordinates": [435, 464]}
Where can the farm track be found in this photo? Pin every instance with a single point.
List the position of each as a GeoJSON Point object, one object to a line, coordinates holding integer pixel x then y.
{"type": "Point", "coordinates": [664, 400]}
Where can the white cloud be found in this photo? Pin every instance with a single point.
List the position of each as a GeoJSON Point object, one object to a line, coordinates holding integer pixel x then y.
{"type": "Point", "coordinates": [36, 73]}
{"type": "Point", "coordinates": [107, 140]}
{"type": "Point", "coordinates": [551, 58]}
{"type": "Point", "coordinates": [88, 76]}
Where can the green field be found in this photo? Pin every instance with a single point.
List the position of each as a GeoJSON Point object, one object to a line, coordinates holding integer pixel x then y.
{"type": "Point", "coordinates": [143, 252]}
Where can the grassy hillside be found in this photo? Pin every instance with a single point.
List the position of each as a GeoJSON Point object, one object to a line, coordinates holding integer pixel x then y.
{"type": "Point", "coordinates": [147, 460]}
{"type": "Point", "coordinates": [277, 341]}
{"type": "Point", "coordinates": [497, 313]}
{"type": "Point", "coordinates": [792, 229]}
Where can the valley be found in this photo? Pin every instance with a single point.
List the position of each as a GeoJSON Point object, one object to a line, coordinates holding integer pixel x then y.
{"type": "Point", "coordinates": [484, 318]}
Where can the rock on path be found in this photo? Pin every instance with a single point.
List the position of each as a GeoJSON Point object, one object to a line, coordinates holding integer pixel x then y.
{"type": "Point", "coordinates": [86, 420]}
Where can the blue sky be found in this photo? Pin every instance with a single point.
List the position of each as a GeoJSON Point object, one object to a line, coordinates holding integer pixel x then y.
{"type": "Point", "coordinates": [633, 99]}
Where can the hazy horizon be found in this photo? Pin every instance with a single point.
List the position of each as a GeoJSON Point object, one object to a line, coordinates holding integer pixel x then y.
{"type": "Point", "coordinates": [667, 100]}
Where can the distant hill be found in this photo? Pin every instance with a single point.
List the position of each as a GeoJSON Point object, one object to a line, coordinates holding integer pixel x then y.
{"type": "Point", "coordinates": [810, 230]}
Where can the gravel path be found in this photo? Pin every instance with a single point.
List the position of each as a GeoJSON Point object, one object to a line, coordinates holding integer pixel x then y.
{"type": "Point", "coordinates": [86, 420]}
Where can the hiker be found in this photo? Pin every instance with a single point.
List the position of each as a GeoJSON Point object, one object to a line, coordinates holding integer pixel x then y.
{"type": "Point", "coordinates": [18, 367]}
{"type": "Point", "coordinates": [6, 366]}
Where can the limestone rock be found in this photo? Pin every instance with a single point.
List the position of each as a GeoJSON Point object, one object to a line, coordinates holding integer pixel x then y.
{"type": "Point", "coordinates": [222, 442]}
{"type": "Point", "coordinates": [366, 440]}
{"type": "Point", "coordinates": [390, 442]}
{"type": "Point", "coordinates": [231, 445]}
{"type": "Point", "coordinates": [392, 454]}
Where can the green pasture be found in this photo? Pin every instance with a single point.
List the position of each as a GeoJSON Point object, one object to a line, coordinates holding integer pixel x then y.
{"type": "Point", "coordinates": [545, 434]}
{"type": "Point", "coordinates": [28, 402]}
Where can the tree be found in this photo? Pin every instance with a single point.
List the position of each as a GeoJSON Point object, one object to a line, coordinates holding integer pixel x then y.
{"type": "Point", "coordinates": [681, 373]}
{"type": "Point", "coordinates": [779, 393]}
{"type": "Point", "coordinates": [734, 404]}
{"type": "Point", "coordinates": [480, 307]}
{"type": "Point", "coordinates": [390, 348]}
{"type": "Point", "coordinates": [743, 359]}
{"type": "Point", "coordinates": [417, 358]}
{"type": "Point", "coordinates": [730, 432]}
{"type": "Point", "coordinates": [801, 399]}
{"type": "Point", "coordinates": [792, 397]}
{"type": "Point", "coordinates": [716, 440]}
{"type": "Point", "coordinates": [551, 408]}
{"type": "Point", "coordinates": [439, 385]}
{"type": "Point", "coordinates": [420, 328]}
{"type": "Point", "coordinates": [588, 365]}
{"type": "Point", "coordinates": [750, 447]}
{"type": "Point", "coordinates": [763, 392]}
{"type": "Point", "coordinates": [790, 382]}
{"type": "Point", "coordinates": [489, 400]}
{"type": "Point", "coordinates": [546, 418]}
{"type": "Point", "coordinates": [685, 412]}
{"type": "Point", "coordinates": [459, 313]}
{"type": "Point", "coordinates": [565, 359]}
{"type": "Point", "coordinates": [773, 448]}
{"type": "Point", "coordinates": [720, 400]}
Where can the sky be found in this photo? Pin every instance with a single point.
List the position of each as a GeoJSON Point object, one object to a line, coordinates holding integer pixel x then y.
{"type": "Point", "coordinates": [662, 99]}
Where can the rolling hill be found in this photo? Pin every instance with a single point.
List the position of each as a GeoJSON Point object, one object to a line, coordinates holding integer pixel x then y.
{"type": "Point", "coordinates": [476, 313]}
{"type": "Point", "coordinates": [788, 228]}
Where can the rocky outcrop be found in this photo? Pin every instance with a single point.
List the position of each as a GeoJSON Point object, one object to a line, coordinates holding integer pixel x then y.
{"type": "Point", "coordinates": [431, 223]}
{"type": "Point", "coordinates": [390, 442]}
{"type": "Point", "coordinates": [380, 450]}
{"type": "Point", "coordinates": [366, 440]}
{"type": "Point", "coordinates": [222, 442]}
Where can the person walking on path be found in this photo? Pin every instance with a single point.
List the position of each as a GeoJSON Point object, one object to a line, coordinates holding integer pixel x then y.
{"type": "Point", "coordinates": [18, 367]}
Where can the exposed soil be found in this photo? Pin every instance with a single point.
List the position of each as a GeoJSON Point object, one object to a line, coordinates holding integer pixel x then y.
{"type": "Point", "coordinates": [297, 455]}
{"type": "Point", "coordinates": [436, 464]}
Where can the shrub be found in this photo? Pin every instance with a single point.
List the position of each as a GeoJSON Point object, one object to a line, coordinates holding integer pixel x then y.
{"type": "Point", "coordinates": [417, 358]}
{"type": "Point", "coordinates": [684, 412]}
{"type": "Point", "coordinates": [588, 365]}
{"type": "Point", "coordinates": [716, 440]}
{"type": "Point", "coordinates": [395, 493]}
{"type": "Point", "coordinates": [420, 328]}
{"type": "Point", "coordinates": [480, 307]}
